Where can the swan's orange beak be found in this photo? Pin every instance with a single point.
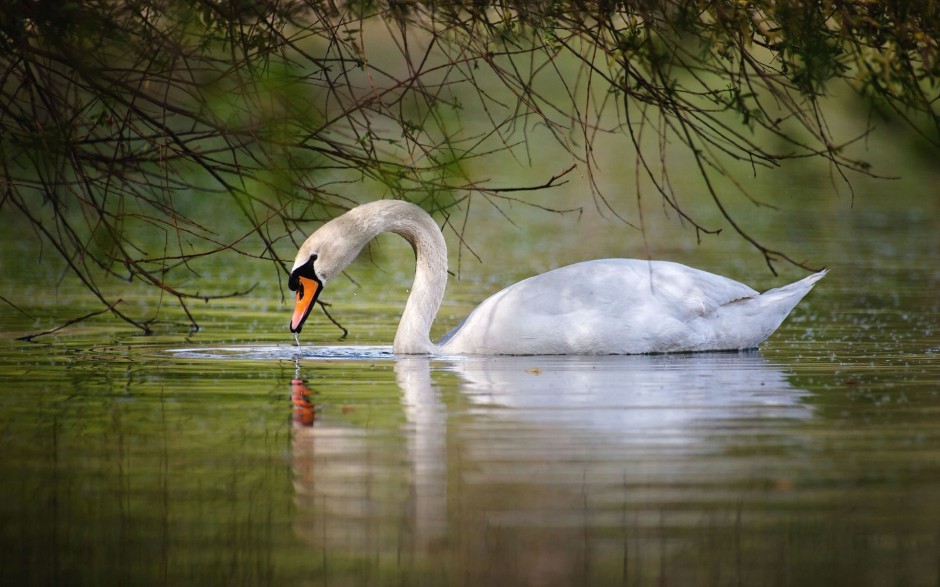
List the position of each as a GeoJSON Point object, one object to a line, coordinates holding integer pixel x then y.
{"type": "Point", "coordinates": [307, 291]}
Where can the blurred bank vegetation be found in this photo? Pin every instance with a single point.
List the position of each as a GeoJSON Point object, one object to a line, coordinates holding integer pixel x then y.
{"type": "Point", "coordinates": [140, 138]}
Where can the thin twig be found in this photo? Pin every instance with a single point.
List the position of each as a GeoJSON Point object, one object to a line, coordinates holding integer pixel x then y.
{"type": "Point", "coordinates": [550, 183]}
{"type": "Point", "coordinates": [30, 337]}
{"type": "Point", "coordinates": [323, 306]}
{"type": "Point", "coordinates": [15, 307]}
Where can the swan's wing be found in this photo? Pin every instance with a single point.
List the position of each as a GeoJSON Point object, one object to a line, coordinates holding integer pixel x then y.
{"type": "Point", "coordinates": [689, 290]}
{"type": "Point", "coordinates": [603, 306]}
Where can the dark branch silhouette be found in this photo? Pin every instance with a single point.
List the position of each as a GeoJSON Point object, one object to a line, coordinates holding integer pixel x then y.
{"type": "Point", "coordinates": [226, 128]}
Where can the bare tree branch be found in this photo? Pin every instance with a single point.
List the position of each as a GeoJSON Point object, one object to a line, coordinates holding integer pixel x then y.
{"type": "Point", "coordinates": [126, 125]}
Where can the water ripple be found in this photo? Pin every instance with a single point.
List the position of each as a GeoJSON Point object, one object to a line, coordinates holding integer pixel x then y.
{"type": "Point", "coordinates": [286, 353]}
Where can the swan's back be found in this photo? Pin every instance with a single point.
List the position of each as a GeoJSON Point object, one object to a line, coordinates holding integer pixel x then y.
{"type": "Point", "coordinates": [624, 306]}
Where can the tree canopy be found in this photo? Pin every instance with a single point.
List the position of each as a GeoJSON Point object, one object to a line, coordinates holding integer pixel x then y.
{"type": "Point", "coordinates": [125, 125]}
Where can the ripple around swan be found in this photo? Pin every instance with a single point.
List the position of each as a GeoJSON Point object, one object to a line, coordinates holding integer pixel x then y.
{"type": "Point", "coordinates": [286, 353]}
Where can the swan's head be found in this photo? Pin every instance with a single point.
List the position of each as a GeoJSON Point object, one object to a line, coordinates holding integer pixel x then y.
{"type": "Point", "coordinates": [322, 256]}
{"type": "Point", "coordinates": [307, 285]}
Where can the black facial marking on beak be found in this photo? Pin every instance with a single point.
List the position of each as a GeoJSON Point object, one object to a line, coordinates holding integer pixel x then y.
{"type": "Point", "coordinates": [307, 285]}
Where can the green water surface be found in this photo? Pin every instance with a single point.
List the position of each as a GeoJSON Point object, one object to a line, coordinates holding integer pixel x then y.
{"type": "Point", "coordinates": [813, 461]}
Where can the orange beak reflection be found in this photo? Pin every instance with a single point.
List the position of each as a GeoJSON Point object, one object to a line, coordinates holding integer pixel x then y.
{"type": "Point", "coordinates": [307, 291]}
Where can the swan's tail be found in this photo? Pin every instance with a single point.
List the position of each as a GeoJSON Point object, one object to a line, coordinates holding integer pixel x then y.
{"type": "Point", "coordinates": [762, 313]}
{"type": "Point", "coordinates": [775, 304]}
{"type": "Point", "coordinates": [788, 296]}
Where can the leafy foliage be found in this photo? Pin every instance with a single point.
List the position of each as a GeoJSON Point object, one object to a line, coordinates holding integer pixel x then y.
{"type": "Point", "coordinates": [131, 126]}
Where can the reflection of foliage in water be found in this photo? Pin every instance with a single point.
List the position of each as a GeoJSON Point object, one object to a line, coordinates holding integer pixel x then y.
{"type": "Point", "coordinates": [131, 129]}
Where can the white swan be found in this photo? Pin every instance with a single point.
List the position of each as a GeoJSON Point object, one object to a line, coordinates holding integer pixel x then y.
{"type": "Point", "coordinates": [606, 306]}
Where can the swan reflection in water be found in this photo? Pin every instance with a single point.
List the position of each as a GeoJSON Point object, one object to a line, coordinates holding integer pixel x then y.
{"type": "Point", "coordinates": [532, 467]}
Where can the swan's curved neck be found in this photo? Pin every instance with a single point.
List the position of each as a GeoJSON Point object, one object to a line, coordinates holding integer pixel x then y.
{"type": "Point", "coordinates": [427, 291]}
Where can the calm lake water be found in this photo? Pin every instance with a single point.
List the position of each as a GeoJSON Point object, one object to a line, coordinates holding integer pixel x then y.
{"type": "Point", "coordinates": [230, 457]}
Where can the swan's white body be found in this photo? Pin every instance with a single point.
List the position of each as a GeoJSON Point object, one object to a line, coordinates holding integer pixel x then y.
{"type": "Point", "coordinates": [606, 306]}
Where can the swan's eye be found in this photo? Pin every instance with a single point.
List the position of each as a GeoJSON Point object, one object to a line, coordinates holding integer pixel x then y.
{"type": "Point", "coordinates": [305, 270]}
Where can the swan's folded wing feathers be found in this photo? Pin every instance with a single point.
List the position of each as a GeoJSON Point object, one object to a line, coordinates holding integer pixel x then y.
{"type": "Point", "coordinates": [692, 291]}
{"type": "Point", "coordinates": [585, 304]}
